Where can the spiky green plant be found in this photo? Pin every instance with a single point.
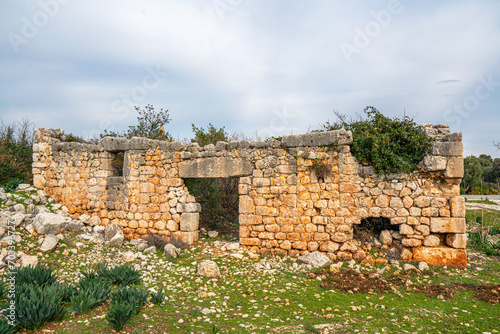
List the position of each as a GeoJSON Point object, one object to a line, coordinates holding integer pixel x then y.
{"type": "Point", "coordinates": [39, 275]}
{"type": "Point", "coordinates": [123, 275]}
{"type": "Point", "coordinates": [37, 304]}
{"type": "Point", "coordinates": [158, 297]}
{"type": "Point", "coordinates": [5, 327]}
{"type": "Point", "coordinates": [132, 295]}
{"type": "Point", "coordinates": [92, 293]}
{"type": "Point", "coordinates": [119, 314]}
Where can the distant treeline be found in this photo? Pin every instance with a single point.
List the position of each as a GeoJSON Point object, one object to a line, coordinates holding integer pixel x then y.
{"type": "Point", "coordinates": [481, 175]}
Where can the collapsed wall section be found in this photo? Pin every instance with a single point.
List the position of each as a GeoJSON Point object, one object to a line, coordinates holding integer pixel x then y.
{"type": "Point", "coordinates": [300, 194]}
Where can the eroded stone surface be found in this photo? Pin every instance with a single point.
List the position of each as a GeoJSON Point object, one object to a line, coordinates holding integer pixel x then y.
{"type": "Point", "coordinates": [441, 256]}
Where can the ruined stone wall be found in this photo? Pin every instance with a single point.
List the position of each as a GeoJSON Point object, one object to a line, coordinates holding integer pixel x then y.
{"type": "Point", "coordinates": [300, 194]}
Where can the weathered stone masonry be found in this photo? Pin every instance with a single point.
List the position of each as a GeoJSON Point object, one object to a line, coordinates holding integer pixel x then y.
{"type": "Point", "coordinates": [284, 206]}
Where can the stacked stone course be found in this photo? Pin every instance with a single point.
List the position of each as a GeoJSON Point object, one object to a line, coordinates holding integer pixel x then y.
{"type": "Point", "coordinates": [284, 206]}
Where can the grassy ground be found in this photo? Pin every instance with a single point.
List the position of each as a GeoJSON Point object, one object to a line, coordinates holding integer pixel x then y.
{"type": "Point", "coordinates": [274, 294]}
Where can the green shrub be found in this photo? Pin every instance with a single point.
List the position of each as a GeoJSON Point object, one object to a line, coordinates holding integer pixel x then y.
{"type": "Point", "coordinates": [36, 305]}
{"type": "Point", "coordinates": [12, 185]}
{"type": "Point", "coordinates": [16, 151]}
{"type": "Point", "coordinates": [158, 297]}
{"type": "Point", "coordinates": [389, 145]}
{"type": "Point", "coordinates": [480, 241]}
{"type": "Point", "coordinates": [494, 230]}
{"type": "Point", "coordinates": [119, 314]}
{"type": "Point", "coordinates": [136, 297]}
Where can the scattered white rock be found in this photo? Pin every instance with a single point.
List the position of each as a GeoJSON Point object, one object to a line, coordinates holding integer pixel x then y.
{"type": "Point", "coordinates": [128, 256]}
{"type": "Point", "coordinates": [213, 234]}
{"type": "Point", "coordinates": [423, 266]}
{"type": "Point", "coordinates": [94, 221]}
{"type": "Point", "coordinates": [208, 268]}
{"type": "Point", "coordinates": [28, 260]}
{"type": "Point", "coordinates": [151, 249]}
{"type": "Point", "coordinates": [237, 255]}
{"type": "Point", "coordinates": [408, 266]}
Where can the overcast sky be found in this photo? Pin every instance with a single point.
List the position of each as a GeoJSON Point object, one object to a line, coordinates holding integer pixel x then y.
{"type": "Point", "coordinates": [269, 66]}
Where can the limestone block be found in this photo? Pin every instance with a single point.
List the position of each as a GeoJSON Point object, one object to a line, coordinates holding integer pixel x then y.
{"type": "Point", "coordinates": [338, 137]}
{"type": "Point", "coordinates": [215, 167]}
{"type": "Point", "coordinates": [431, 241]}
{"type": "Point", "coordinates": [455, 167]}
{"type": "Point", "coordinates": [189, 221]}
{"type": "Point", "coordinates": [457, 207]}
{"type": "Point", "coordinates": [246, 219]}
{"type": "Point", "coordinates": [441, 256]}
{"type": "Point", "coordinates": [339, 237]}
{"type": "Point", "coordinates": [434, 163]}
{"type": "Point", "coordinates": [190, 238]}
{"type": "Point", "coordinates": [188, 207]}
{"type": "Point", "coordinates": [246, 205]}
{"type": "Point", "coordinates": [447, 225]}
{"type": "Point", "coordinates": [448, 148]}
{"type": "Point", "coordinates": [456, 240]}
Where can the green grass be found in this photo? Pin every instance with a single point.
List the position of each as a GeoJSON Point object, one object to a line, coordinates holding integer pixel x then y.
{"type": "Point", "coordinates": [481, 201]}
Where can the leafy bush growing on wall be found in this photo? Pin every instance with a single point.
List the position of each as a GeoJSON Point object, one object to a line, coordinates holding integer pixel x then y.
{"type": "Point", "coordinates": [390, 145]}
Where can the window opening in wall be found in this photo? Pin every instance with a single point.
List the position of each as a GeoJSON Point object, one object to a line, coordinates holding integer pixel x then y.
{"type": "Point", "coordinates": [219, 202]}
{"type": "Point", "coordinates": [370, 229]}
{"type": "Point", "coordinates": [117, 159]}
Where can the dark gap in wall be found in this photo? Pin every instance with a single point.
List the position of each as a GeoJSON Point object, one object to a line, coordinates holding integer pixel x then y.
{"type": "Point", "coordinates": [117, 163]}
{"type": "Point", "coordinates": [219, 202]}
{"type": "Point", "coordinates": [371, 227]}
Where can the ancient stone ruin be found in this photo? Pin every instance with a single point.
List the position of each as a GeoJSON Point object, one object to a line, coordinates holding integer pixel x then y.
{"type": "Point", "coordinates": [300, 194]}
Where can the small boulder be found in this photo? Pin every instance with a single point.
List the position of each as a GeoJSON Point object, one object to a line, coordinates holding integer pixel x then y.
{"type": "Point", "coordinates": [28, 260]}
{"type": "Point", "coordinates": [170, 251]}
{"type": "Point", "coordinates": [423, 266]}
{"type": "Point", "coordinates": [128, 256]}
{"type": "Point", "coordinates": [99, 229]}
{"type": "Point", "coordinates": [113, 235]}
{"type": "Point", "coordinates": [94, 221]}
{"type": "Point", "coordinates": [23, 186]}
{"type": "Point", "coordinates": [49, 243]}
{"type": "Point", "coordinates": [84, 219]}
{"type": "Point", "coordinates": [18, 218]}
{"type": "Point", "coordinates": [19, 208]}
{"type": "Point", "coordinates": [385, 237]}
{"type": "Point", "coordinates": [408, 266]}
{"type": "Point", "coordinates": [74, 226]}
{"type": "Point", "coordinates": [142, 246]}
{"type": "Point", "coordinates": [315, 259]}
{"type": "Point", "coordinates": [151, 249]}
{"type": "Point", "coordinates": [208, 268]}
{"type": "Point", "coordinates": [49, 223]}
{"type": "Point", "coordinates": [213, 234]}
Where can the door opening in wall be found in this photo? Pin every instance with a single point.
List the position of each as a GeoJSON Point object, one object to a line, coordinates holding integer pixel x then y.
{"type": "Point", "coordinates": [219, 202]}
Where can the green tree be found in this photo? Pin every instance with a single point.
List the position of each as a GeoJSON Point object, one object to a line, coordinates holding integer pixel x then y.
{"type": "Point", "coordinates": [211, 136]}
{"type": "Point", "coordinates": [151, 124]}
{"type": "Point", "coordinates": [473, 173]}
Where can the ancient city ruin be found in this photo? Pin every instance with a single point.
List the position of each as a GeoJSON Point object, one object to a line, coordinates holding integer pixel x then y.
{"type": "Point", "coordinates": [300, 194]}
